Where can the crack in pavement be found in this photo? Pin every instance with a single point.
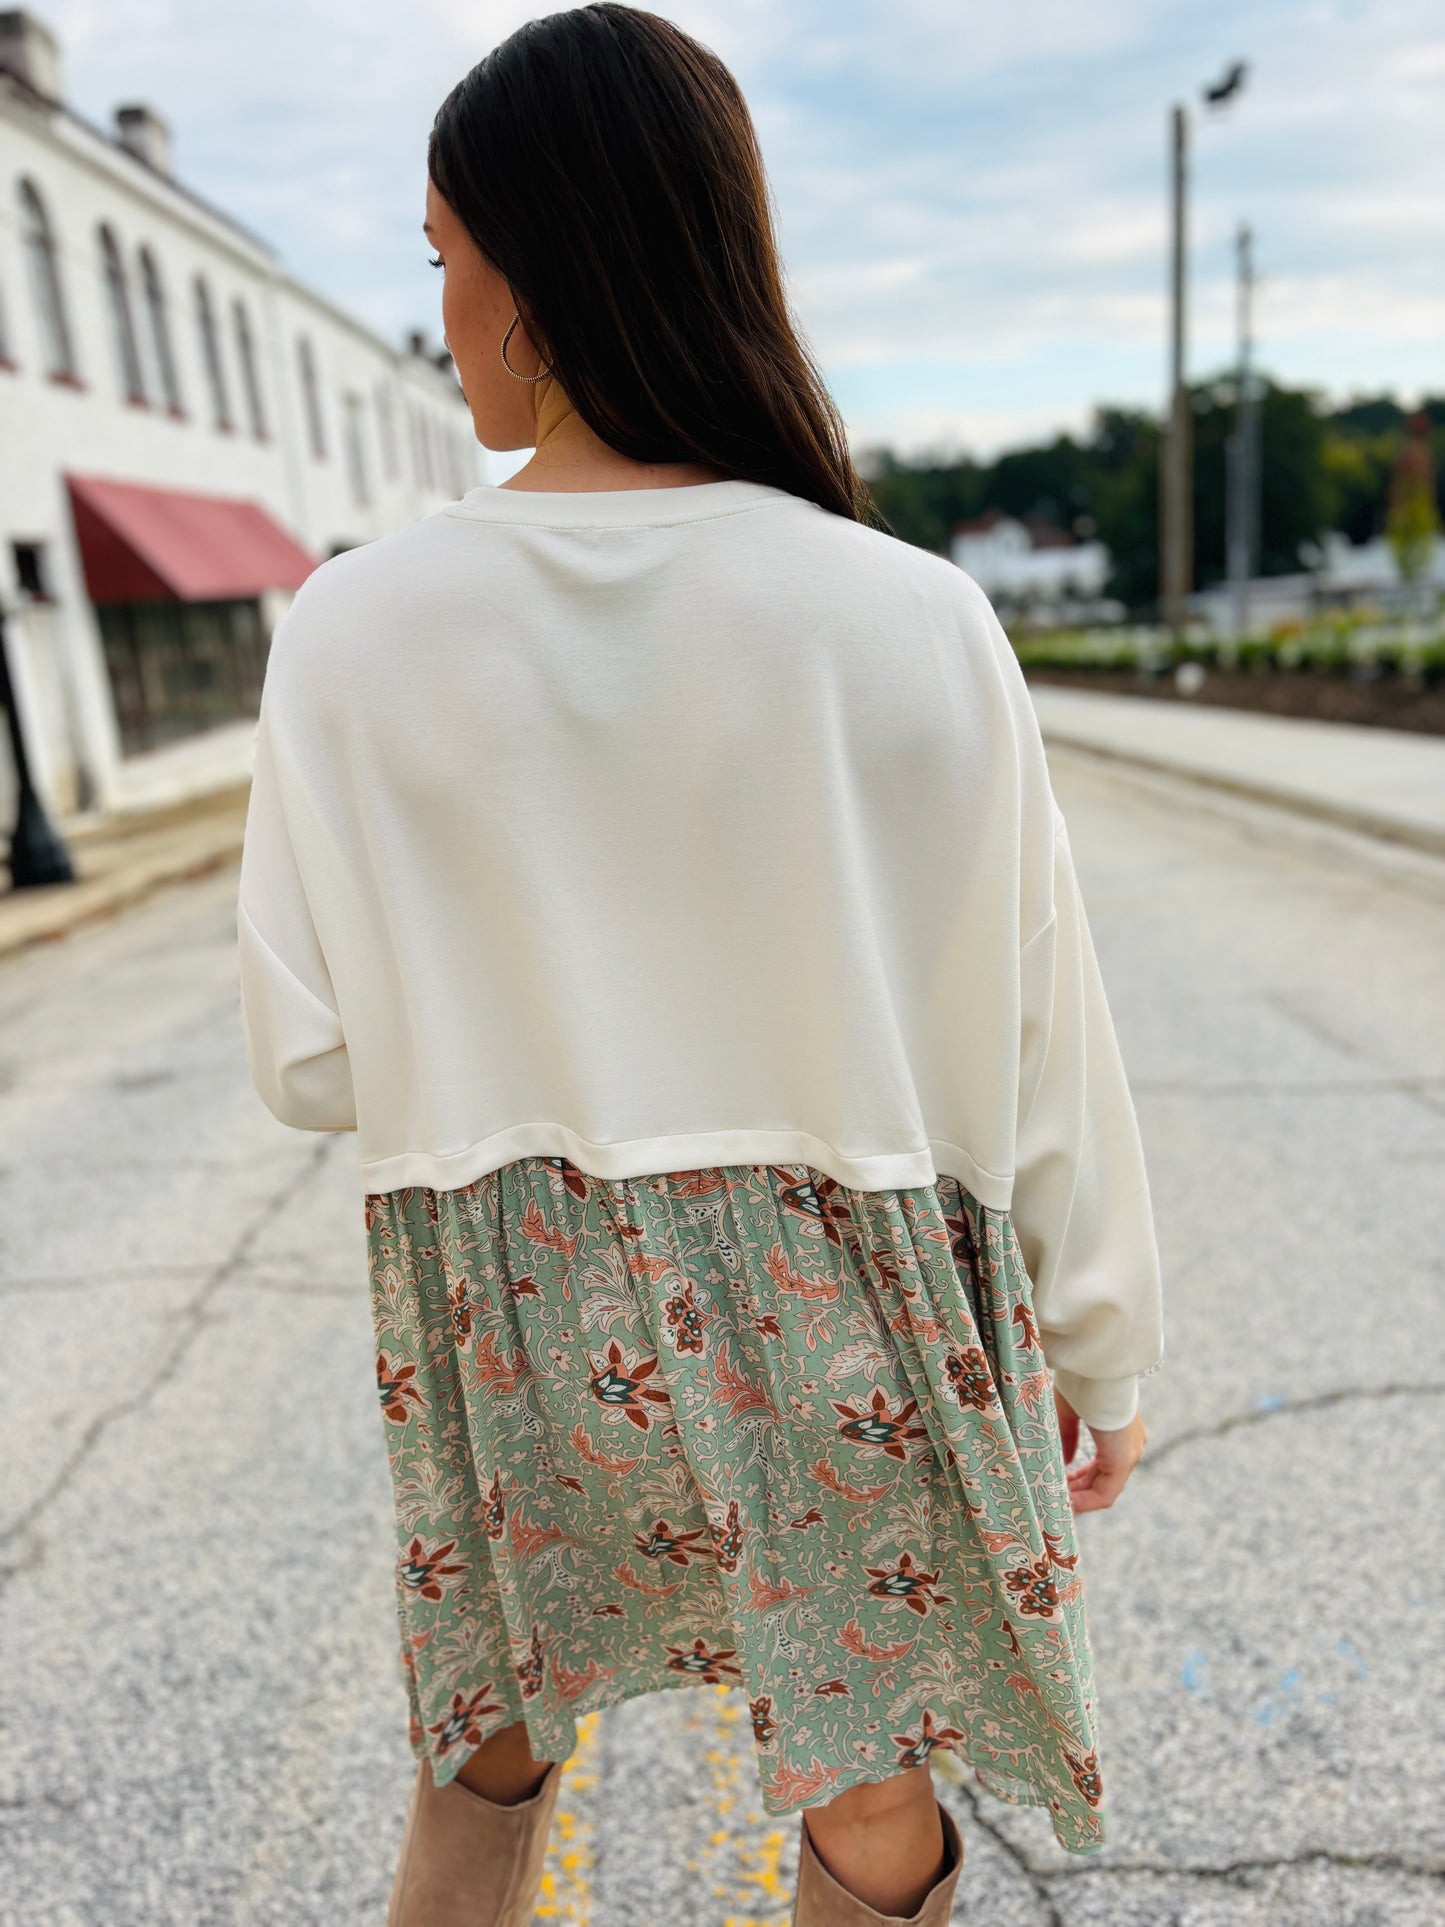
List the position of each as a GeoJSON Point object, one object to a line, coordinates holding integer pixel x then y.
{"type": "Point", "coordinates": [1286, 1086]}
{"type": "Point", "coordinates": [103, 1278]}
{"type": "Point", "coordinates": [1288, 1004]}
{"type": "Point", "coordinates": [125, 1277]}
{"type": "Point", "coordinates": [1239, 1872]}
{"type": "Point", "coordinates": [1316, 1401]}
{"type": "Point", "coordinates": [285, 1288]}
{"type": "Point", "coordinates": [951, 1769]}
{"type": "Point", "coordinates": [193, 1318]}
{"type": "Point", "coordinates": [60, 1802]}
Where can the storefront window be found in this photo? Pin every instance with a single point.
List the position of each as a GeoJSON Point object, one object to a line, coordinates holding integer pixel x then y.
{"type": "Point", "coordinates": [180, 667]}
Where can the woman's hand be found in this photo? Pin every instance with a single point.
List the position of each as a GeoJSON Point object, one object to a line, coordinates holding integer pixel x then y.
{"type": "Point", "coordinates": [1097, 1482]}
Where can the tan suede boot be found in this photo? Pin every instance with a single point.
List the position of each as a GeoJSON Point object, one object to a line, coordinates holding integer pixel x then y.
{"type": "Point", "coordinates": [821, 1902]}
{"type": "Point", "coordinates": [466, 1862]}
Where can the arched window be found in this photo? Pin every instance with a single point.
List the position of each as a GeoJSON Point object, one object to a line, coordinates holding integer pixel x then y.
{"type": "Point", "coordinates": [386, 430]}
{"type": "Point", "coordinates": [211, 356]}
{"type": "Point", "coordinates": [311, 397]}
{"type": "Point", "coordinates": [250, 373]}
{"type": "Point", "coordinates": [420, 446]}
{"type": "Point", "coordinates": [159, 327]}
{"type": "Point", "coordinates": [352, 432]}
{"type": "Point", "coordinates": [122, 327]}
{"type": "Point", "coordinates": [38, 240]}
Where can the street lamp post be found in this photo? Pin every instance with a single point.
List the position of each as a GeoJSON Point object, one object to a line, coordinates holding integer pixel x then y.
{"type": "Point", "coordinates": [1243, 455]}
{"type": "Point", "coordinates": [37, 851]}
{"type": "Point", "coordinates": [1177, 505]}
{"type": "Point", "coordinates": [1176, 468]}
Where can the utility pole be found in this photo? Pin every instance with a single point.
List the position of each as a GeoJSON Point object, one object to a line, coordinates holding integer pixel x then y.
{"type": "Point", "coordinates": [1176, 466]}
{"type": "Point", "coordinates": [1243, 468]}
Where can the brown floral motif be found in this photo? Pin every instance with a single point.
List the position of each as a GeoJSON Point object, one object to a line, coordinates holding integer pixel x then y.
{"type": "Point", "coordinates": [1058, 1554]}
{"type": "Point", "coordinates": [460, 1309]}
{"type": "Point", "coordinates": [685, 1323]}
{"type": "Point", "coordinates": [917, 1746]}
{"type": "Point", "coordinates": [574, 1179]}
{"type": "Point", "coordinates": [728, 1544]}
{"type": "Point", "coordinates": [424, 1569]}
{"type": "Point", "coordinates": [905, 1585]}
{"type": "Point", "coordinates": [811, 1200]}
{"type": "Point", "coordinates": [1033, 1588]}
{"type": "Point", "coordinates": [395, 1384]}
{"type": "Point", "coordinates": [463, 1721]}
{"type": "Point", "coordinates": [539, 1230]}
{"type": "Point", "coordinates": [969, 1378]}
{"type": "Point", "coordinates": [794, 1785]}
{"type": "Point", "coordinates": [765, 1727]}
{"type": "Point", "coordinates": [495, 1370]}
{"type": "Point", "coordinates": [680, 1548]}
{"type": "Point", "coordinates": [853, 1639]}
{"type": "Point", "coordinates": [494, 1512]}
{"type": "Point", "coordinates": [1085, 1775]}
{"type": "Point", "coordinates": [530, 1670]}
{"type": "Point", "coordinates": [619, 1384]}
{"type": "Point", "coordinates": [878, 1425]}
{"type": "Point", "coordinates": [698, 1663]}
{"type": "Point", "coordinates": [571, 1683]}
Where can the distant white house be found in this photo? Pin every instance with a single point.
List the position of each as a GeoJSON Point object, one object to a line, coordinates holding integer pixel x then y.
{"type": "Point", "coordinates": [1340, 575]}
{"type": "Point", "coordinates": [1034, 566]}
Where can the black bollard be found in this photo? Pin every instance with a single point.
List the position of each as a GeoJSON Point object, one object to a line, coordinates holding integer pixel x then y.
{"type": "Point", "coordinates": [37, 851]}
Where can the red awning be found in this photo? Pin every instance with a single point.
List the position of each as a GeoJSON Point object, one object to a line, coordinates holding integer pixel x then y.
{"type": "Point", "coordinates": [141, 544]}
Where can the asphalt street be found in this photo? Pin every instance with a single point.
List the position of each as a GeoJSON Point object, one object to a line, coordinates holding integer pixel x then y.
{"type": "Point", "coordinates": [201, 1712]}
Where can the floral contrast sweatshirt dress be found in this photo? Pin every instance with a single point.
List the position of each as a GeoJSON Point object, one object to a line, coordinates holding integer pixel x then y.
{"type": "Point", "coordinates": [667, 888]}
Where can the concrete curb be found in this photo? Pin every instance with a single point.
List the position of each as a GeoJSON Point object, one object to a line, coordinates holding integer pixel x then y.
{"type": "Point", "coordinates": [1350, 816]}
{"type": "Point", "coordinates": [120, 864]}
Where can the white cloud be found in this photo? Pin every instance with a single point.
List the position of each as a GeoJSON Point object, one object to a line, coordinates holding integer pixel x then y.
{"type": "Point", "coordinates": [975, 191]}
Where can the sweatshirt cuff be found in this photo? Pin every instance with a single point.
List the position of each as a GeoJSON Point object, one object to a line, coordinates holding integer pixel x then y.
{"type": "Point", "coordinates": [1108, 1403]}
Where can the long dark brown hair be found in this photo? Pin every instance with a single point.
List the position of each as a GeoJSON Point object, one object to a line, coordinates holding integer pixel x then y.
{"type": "Point", "coordinates": [607, 166]}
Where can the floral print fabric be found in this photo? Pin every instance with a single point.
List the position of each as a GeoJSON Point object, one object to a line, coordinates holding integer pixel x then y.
{"type": "Point", "coordinates": [740, 1425]}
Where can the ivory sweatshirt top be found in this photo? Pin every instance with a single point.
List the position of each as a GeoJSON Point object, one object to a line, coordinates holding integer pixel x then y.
{"type": "Point", "coordinates": [664, 828]}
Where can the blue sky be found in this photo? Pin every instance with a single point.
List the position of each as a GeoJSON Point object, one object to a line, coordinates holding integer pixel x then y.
{"type": "Point", "coordinates": [971, 197]}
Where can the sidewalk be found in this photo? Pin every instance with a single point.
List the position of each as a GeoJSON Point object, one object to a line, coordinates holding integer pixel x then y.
{"type": "Point", "coordinates": [120, 861]}
{"type": "Point", "coordinates": [1384, 782]}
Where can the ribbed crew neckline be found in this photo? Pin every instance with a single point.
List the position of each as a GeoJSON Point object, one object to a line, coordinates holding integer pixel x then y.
{"type": "Point", "coordinates": [618, 507]}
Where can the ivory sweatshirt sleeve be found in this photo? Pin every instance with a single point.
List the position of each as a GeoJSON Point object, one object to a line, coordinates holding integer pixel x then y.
{"type": "Point", "coordinates": [1081, 1204]}
{"type": "Point", "coordinates": [294, 1043]}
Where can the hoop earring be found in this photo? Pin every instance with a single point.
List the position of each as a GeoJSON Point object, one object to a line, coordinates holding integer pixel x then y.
{"type": "Point", "coordinates": [507, 364]}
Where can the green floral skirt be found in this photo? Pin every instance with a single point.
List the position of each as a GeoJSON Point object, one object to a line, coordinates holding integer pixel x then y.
{"type": "Point", "coordinates": [742, 1425]}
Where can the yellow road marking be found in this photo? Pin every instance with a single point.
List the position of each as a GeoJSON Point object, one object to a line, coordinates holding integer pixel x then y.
{"type": "Point", "coordinates": [738, 1864]}
{"type": "Point", "coordinates": [566, 1891]}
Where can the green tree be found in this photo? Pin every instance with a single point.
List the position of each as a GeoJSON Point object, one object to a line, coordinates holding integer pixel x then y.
{"type": "Point", "coordinates": [1125, 504]}
{"type": "Point", "coordinates": [922, 503]}
{"type": "Point", "coordinates": [1321, 468]}
{"type": "Point", "coordinates": [1413, 524]}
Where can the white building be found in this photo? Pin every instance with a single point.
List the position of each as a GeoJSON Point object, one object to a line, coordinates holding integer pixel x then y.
{"type": "Point", "coordinates": [185, 430]}
{"type": "Point", "coordinates": [1034, 566]}
{"type": "Point", "coordinates": [1340, 575]}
